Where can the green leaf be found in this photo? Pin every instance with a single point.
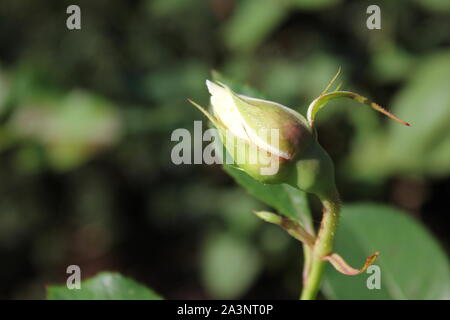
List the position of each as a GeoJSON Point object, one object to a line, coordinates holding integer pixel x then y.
{"type": "Point", "coordinates": [412, 264]}
{"type": "Point", "coordinates": [4, 90]}
{"type": "Point", "coordinates": [438, 6]}
{"type": "Point", "coordinates": [72, 128]}
{"type": "Point", "coordinates": [425, 102]}
{"type": "Point", "coordinates": [288, 200]}
{"type": "Point", "coordinates": [104, 286]}
{"type": "Point", "coordinates": [313, 4]}
{"type": "Point", "coordinates": [252, 23]}
{"type": "Point", "coordinates": [229, 266]}
{"type": "Point", "coordinates": [390, 63]}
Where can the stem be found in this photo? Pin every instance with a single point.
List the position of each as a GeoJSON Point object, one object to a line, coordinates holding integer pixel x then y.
{"type": "Point", "coordinates": [322, 247]}
{"type": "Point", "coordinates": [307, 222]}
{"type": "Point", "coordinates": [307, 254]}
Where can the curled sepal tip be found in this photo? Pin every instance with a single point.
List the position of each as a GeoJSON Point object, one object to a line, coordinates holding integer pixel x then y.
{"type": "Point", "coordinates": [325, 97]}
{"type": "Point", "coordinates": [340, 265]}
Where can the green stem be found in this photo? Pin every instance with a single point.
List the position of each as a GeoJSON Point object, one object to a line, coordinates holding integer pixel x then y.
{"type": "Point", "coordinates": [307, 254]}
{"type": "Point", "coordinates": [322, 247]}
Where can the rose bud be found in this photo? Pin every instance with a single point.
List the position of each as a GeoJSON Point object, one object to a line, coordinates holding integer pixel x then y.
{"type": "Point", "coordinates": [265, 138]}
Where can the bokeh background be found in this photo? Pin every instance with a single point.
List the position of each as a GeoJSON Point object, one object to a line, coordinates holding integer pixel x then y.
{"type": "Point", "coordinates": [86, 118]}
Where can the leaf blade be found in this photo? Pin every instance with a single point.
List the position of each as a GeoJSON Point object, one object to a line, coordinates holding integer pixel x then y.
{"type": "Point", "coordinates": [413, 266]}
{"type": "Point", "coordinates": [104, 286]}
{"type": "Point", "coordinates": [289, 201]}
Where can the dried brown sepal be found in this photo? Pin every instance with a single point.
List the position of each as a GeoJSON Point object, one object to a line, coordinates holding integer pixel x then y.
{"type": "Point", "coordinates": [342, 266]}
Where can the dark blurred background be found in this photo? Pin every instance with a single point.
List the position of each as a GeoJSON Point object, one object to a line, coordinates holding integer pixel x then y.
{"type": "Point", "coordinates": [86, 118]}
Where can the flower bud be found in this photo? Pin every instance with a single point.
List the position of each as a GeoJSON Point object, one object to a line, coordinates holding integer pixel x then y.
{"type": "Point", "coordinates": [270, 142]}
{"type": "Point", "coordinates": [270, 134]}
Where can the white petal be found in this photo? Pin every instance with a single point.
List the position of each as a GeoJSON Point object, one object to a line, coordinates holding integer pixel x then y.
{"type": "Point", "coordinates": [226, 110]}
{"type": "Point", "coordinates": [214, 88]}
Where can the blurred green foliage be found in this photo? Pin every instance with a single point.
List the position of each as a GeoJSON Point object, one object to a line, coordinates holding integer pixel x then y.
{"type": "Point", "coordinates": [423, 150]}
{"type": "Point", "coordinates": [104, 286]}
{"type": "Point", "coordinates": [86, 118]}
{"type": "Point", "coordinates": [419, 274]}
